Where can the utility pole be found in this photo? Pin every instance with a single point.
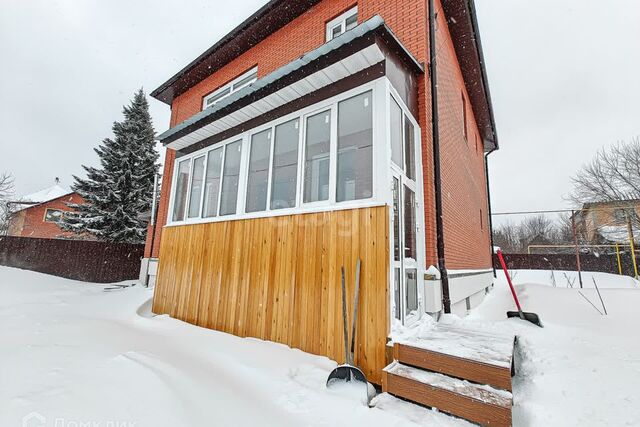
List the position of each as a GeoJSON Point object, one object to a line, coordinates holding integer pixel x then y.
{"type": "Point", "coordinates": [632, 245]}
{"type": "Point", "coordinates": [575, 241]}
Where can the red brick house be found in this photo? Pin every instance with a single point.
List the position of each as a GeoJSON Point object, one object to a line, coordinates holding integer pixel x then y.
{"type": "Point", "coordinates": [37, 214]}
{"type": "Point", "coordinates": [303, 141]}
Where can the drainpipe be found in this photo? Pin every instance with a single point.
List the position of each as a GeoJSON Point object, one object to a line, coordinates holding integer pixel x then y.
{"type": "Point", "coordinates": [486, 174]}
{"type": "Point", "coordinates": [446, 299]}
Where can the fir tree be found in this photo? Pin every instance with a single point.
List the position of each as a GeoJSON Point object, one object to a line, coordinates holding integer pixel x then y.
{"type": "Point", "coordinates": [119, 192]}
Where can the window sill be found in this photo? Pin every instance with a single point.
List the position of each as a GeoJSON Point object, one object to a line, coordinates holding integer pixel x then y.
{"type": "Point", "coordinates": [352, 204]}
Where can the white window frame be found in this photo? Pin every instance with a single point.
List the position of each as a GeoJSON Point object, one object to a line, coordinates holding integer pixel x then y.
{"type": "Point", "coordinates": [231, 86]}
{"type": "Point", "coordinates": [419, 197]}
{"type": "Point", "coordinates": [340, 21]}
{"type": "Point", "coordinates": [378, 198]}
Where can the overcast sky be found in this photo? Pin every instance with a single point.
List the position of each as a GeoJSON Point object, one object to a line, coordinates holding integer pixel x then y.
{"type": "Point", "coordinates": [564, 78]}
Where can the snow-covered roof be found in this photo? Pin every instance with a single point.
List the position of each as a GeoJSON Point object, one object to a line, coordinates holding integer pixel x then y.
{"type": "Point", "coordinates": [618, 233]}
{"type": "Point", "coordinates": [42, 196]}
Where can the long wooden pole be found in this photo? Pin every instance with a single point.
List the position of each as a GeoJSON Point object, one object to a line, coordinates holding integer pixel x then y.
{"type": "Point", "coordinates": [632, 245]}
{"type": "Point", "coordinates": [618, 256]}
{"type": "Point", "coordinates": [575, 241]}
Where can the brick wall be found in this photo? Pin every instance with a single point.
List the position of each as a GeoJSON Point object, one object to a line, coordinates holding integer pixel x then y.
{"type": "Point", "coordinates": [463, 168]}
{"type": "Point", "coordinates": [30, 222]}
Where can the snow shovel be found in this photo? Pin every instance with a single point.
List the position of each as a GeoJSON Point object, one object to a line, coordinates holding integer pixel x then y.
{"type": "Point", "coordinates": [529, 317]}
{"type": "Point", "coordinates": [348, 372]}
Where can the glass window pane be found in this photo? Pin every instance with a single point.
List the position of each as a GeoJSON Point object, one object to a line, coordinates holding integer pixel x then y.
{"type": "Point", "coordinates": [396, 293]}
{"type": "Point", "coordinates": [246, 81]}
{"type": "Point", "coordinates": [182, 185]}
{"type": "Point", "coordinates": [411, 287]}
{"type": "Point", "coordinates": [196, 187]}
{"type": "Point", "coordinates": [396, 133]}
{"type": "Point", "coordinates": [52, 215]}
{"type": "Point", "coordinates": [351, 22]}
{"type": "Point", "coordinates": [215, 98]}
{"type": "Point", "coordinates": [258, 171]}
{"type": "Point", "coordinates": [336, 31]}
{"type": "Point", "coordinates": [355, 136]}
{"type": "Point", "coordinates": [396, 219]}
{"type": "Point", "coordinates": [409, 149]}
{"type": "Point", "coordinates": [317, 151]}
{"type": "Point", "coordinates": [409, 223]}
{"type": "Point", "coordinates": [212, 183]}
{"type": "Point", "coordinates": [231, 174]}
{"type": "Point", "coordinates": [284, 176]}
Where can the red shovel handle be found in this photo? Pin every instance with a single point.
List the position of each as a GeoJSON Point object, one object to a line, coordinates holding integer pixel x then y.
{"type": "Point", "coordinates": [506, 273]}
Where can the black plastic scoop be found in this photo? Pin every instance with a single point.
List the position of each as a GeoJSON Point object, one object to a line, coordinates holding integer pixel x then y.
{"type": "Point", "coordinates": [529, 317]}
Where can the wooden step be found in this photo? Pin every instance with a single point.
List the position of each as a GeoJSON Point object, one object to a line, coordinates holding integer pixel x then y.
{"type": "Point", "coordinates": [481, 404]}
{"type": "Point", "coordinates": [476, 356]}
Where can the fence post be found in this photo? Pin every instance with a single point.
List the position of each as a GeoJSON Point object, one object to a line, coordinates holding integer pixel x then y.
{"type": "Point", "coordinates": [575, 240]}
{"type": "Point", "coordinates": [632, 245]}
{"type": "Point", "coordinates": [618, 257]}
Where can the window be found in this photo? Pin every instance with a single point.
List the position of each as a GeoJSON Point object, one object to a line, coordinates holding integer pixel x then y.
{"type": "Point", "coordinates": [342, 23]}
{"type": "Point", "coordinates": [258, 171]}
{"type": "Point", "coordinates": [409, 223]}
{"type": "Point", "coordinates": [409, 148]}
{"type": "Point", "coordinates": [230, 178]}
{"type": "Point", "coordinates": [355, 148]}
{"type": "Point", "coordinates": [396, 219]}
{"type": "Point", "coordinates": [396, 133]}
{"type": "Point", "coordinates": [196, 187]}
{"type": "Point", "coordinates": [212, 183]}
{"type": "Point", "coordinates": [317, 154]}
{"type": "Point", "coordinates": [284, 173]}
{"type": "Point", "coordinates": [481, 220]}
{"type": "Point", "coordinates": [464, 117]}
{"type": "Point", "coordinates": [411, 290]}
{"type": "Point", "coordinates": [403, 145]}
{"type": "Point", "coordinates": [182, 185]}
{"type": "Point", "coordinates": [326, 154]}
{"type": "Point", "coordinates": [53, 215]}
{"type": "Point", "coordinates": [235, 85]}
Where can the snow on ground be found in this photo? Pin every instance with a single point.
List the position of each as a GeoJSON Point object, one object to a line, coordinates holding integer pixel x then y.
{"type": "Point", "coordinates": [76, 354]}
{"type": "Point", "coordinates": [582, 368]}
{"type": "Point", "coordinates": [568, 279]}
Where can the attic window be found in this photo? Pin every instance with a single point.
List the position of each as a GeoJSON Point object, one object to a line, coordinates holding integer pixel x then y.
{"type": "Point", "coordinates": [342, 23]}
{"type": "Point", "coordinates": [52, 215]}
{"type": "Point", "coordinates": [233, 86]}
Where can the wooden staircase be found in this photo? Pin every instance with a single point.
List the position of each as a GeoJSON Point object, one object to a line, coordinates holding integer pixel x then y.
{"type": "Point", "coordinates": [458, 371]}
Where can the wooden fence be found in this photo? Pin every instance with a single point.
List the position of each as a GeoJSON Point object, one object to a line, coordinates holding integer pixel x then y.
{"type": "Point", "coordinates": [98, 262]}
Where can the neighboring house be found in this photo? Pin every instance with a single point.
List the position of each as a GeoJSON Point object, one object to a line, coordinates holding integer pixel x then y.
{"type": "Point", "coordinates": [609, 222]}
{"type": "Point", "coordinates": [37, 214]}
{"type": "Point", "coordinates": [301, 142]}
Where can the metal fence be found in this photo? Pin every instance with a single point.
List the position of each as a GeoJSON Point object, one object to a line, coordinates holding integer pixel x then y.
{"type": "Point", "coordinates": [88, 261]}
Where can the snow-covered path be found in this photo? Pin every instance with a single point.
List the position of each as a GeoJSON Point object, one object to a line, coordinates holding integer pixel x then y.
{"type": "Point", "coordinates": [77, 355]}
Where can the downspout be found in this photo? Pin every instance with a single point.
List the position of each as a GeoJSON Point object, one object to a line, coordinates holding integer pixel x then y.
{"type": "Point", "coordinates": [486, 174]}
{"type": "Point", "coordinates": [444, 276]}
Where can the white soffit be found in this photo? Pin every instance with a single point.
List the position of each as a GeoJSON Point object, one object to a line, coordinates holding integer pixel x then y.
{"type": "Point", "coordinates": [350, 65]}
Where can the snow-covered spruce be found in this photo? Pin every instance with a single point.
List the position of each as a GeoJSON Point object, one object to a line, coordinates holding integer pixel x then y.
{"type": "Point", "coordinates": [120, 190]}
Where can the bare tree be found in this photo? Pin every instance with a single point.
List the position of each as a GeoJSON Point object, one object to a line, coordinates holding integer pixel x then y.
{"type": "Point", "coordinates": [535, 230]}
{"type": "Point", "coordinates": [6, 191]}
{"type": "Point", "coordinates": [614, 174]}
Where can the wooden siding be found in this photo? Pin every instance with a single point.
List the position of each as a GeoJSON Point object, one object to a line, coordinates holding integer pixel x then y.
{"type": "Point", "coordinates": [278, 279]}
